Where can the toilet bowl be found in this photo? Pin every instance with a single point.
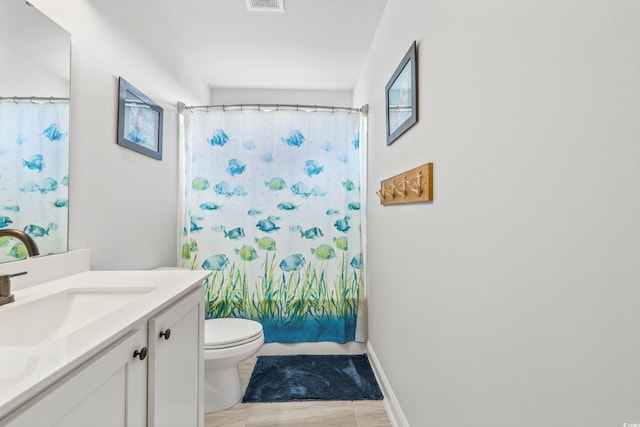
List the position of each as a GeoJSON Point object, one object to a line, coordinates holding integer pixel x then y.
{"type": "Point", "coordinates": [227, 342]}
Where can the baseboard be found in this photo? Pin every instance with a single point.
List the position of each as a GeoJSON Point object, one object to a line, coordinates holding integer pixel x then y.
{"type": "Point", "coordinates": [394, 411]}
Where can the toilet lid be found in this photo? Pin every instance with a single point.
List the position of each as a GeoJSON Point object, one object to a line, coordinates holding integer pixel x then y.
{"type": "Point", "coordinates": [229, 332]}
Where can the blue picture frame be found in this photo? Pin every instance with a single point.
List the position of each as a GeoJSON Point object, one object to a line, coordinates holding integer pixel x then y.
{"type": "Point", "coordinates": [401, 96]}
{"type": "Point", "coordinates": [139, 121]}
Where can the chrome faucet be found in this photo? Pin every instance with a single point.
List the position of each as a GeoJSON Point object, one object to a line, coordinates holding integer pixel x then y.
{"type": "Point", "coordinates": [32, 248]}
{"type": "Point", "coordinates": [5, 280]}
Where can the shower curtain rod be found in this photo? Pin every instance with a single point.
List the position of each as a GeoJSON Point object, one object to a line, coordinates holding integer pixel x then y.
{"type": "Point", "coordinates": [271, 107]}
{"type": "Point", "coordinates": [51, 99]}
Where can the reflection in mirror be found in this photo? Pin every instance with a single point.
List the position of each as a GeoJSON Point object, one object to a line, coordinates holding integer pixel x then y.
{"type": "Point", "coordinates": [34, 129]}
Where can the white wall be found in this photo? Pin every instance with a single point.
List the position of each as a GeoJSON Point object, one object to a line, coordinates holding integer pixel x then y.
{"type": "Point", "coordinates": [34, 52]}
{"type": "Point", "coordinates": [24, 80]}
{"type": "Point", "coordinates": [514, 298]}
{"type": "Point", "coordinates": [270, 96]}
{"type": "Point", "coordinates": [122, 204]}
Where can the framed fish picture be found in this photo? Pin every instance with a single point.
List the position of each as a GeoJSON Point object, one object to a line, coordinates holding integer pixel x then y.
{"type": "Point", "coordinates": [401, 96]}
{"type": "Point", "coordinates": [139, 121]}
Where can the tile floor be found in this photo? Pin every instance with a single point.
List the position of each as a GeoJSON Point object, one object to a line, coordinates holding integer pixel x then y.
{"type": "Point", "coordinates": [365, 413]}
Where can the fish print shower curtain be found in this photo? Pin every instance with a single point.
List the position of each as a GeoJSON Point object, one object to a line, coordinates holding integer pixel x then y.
{"type": "Point", "coordinates": [34, 160]}
{"type": "Point", "coordinates": [272, 207]}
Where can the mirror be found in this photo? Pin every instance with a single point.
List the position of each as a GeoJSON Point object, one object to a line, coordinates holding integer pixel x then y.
{"type": "Point", "coordinates": [35, 54]}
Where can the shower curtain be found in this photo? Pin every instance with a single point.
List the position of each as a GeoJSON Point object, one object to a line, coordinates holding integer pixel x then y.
{"type": "Point", "coordinates": [34, 160]}
{"type": "Point", "coordinates": [272, 206]}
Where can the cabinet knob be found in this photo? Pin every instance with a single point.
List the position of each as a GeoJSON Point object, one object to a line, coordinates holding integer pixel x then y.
{"type": "Point", "coordinates": [166, 334]}
{"type": "Point", "coordinates": [142, 354]}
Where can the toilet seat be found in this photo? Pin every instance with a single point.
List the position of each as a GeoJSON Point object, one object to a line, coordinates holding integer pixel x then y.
{"type": "Point", "coordinates": [230, 332]}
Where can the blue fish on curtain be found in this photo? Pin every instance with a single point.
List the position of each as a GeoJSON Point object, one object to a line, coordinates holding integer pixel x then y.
{"type": "Point", "coordinates": [270, 210]}
{"type": "Point", "coordinates": [34, 152]}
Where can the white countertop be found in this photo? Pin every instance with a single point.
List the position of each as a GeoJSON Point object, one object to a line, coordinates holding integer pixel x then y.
{"type": "Point", "coordinates": [27, 370]}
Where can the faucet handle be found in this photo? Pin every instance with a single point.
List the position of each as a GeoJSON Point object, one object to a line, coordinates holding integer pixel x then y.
{"type": "Point", "coordinates": [5, 283]}
{"type": "Point", "coordinates": [6, 278]}
{"type": "Point", "coordinates": [22, 273]}
{"type": "Point", "coordinates": [5, 287]}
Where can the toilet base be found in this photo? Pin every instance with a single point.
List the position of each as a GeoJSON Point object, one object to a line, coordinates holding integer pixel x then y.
{"type": "Point", "coordinates": [221, 388]}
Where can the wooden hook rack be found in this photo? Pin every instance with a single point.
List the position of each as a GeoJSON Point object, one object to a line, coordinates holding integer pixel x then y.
{"type": "Point", "coordinates": [412, 186]}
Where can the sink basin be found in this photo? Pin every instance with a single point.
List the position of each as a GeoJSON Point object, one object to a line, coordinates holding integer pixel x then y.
{"type": "Point", "coordinates": [59, 314]}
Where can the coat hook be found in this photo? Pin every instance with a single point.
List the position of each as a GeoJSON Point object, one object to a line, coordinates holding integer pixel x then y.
{"type": "Point", "coordinates": [388, 191]}
{"type": "Point", "coordinates": [418, 185]}
{"type": "Point", "coordinates": [401, 188]}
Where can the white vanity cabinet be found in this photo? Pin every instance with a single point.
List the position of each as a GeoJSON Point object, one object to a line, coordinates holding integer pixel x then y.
{"type": "Point", "coordinates": [110, 391]}
{"type": "Point", "coordinates": [176, 364]}
{"type": "Point", "coordinates": [152, 376]}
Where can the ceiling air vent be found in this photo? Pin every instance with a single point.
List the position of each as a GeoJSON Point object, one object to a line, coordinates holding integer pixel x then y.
{"type": "Point", "coordinates": [265, 5]}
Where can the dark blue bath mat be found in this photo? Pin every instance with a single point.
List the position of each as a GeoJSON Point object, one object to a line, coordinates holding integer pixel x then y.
{"type": "Point", "coordinates": [312, 377]}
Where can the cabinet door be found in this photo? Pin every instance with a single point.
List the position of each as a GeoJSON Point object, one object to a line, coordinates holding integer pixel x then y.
{"type": "Point", "coordinates": [108, 391]}
{"type": "Point", "coordinates": [176, 362]}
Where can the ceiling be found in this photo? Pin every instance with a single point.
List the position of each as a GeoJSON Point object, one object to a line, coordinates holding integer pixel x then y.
{"type": "Point", "coordinates": [313, 44]}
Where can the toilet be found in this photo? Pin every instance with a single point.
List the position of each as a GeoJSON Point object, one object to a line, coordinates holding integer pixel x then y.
{"type": "Point", "coordinates": [227, 342]}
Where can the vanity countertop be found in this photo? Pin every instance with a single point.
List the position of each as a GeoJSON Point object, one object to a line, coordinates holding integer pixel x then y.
{"type": "Point", "coordinates": [27, 368]}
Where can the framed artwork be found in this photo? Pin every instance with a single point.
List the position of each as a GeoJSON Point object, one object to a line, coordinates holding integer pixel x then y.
{"type": "Point", "coordinates": [401, 96]}
{"type": "Point", "coordinates": [139, 121]}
